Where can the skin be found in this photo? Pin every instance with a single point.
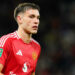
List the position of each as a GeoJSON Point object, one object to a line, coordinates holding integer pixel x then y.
{"type": "Point", "coordinates": [1, 67]}
{"type": "Point", "coordinates": [33, 73]}
{"type": "Point", "coordinates": [28, 23]}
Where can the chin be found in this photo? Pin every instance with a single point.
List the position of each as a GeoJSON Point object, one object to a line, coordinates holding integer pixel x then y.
{"type": "Point", "coordinates": [34, 32]}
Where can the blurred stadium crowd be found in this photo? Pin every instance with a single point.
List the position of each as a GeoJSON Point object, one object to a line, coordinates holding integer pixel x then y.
{"type": "Point", "coordinates": [56, 34]}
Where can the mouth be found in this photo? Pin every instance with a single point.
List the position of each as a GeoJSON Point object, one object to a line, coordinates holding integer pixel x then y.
{"type": "Point", "coordinates": [35, 27]}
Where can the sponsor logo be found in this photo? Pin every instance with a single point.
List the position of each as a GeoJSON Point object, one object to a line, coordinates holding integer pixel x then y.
{"type": "Point", "coordinates": [26, 66]}
{"type": "Point", "coordinates": [11, 73]}
{"type": "Point", "coordinates": [19, 53]}
{"type": "Point", "coordinates": [1, 51]}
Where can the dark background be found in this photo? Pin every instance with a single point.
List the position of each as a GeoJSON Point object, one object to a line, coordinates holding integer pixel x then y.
{"type": "Point", "coordinates": [56, 33]}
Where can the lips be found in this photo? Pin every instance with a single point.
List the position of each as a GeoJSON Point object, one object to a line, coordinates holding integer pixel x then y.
{"type": "Point", "coordinates": [35, 27]}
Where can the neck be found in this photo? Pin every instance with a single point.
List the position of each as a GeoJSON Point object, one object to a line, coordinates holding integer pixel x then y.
{"type": "Point", "coordinates": [24, 36]}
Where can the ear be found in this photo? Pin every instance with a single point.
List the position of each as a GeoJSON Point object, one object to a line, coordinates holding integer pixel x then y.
{"type": "Point", "coordinates": [19, 19]}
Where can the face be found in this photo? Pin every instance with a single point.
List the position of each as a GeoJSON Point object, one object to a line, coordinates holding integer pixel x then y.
{"type": "Point", "coordinates": [30, 21]}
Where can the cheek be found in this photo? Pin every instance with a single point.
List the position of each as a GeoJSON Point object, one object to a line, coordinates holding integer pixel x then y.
{"type": "Point", "coordinates": [29, 23]}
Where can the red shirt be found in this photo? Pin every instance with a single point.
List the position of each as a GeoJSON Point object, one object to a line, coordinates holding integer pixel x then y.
{"type": "Point", "coordinates": [18, 58]}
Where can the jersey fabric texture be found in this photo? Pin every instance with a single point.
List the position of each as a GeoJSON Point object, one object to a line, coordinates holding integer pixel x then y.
{"type": "Point", "coordinates": [17, 57]}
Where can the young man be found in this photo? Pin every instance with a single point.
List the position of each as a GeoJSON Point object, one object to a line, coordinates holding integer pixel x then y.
{"type": "Point", "coordinates": [19, 52]}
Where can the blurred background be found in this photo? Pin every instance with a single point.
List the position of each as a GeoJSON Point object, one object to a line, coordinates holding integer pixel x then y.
{"type": "Point", "coordinates": [56, 34]}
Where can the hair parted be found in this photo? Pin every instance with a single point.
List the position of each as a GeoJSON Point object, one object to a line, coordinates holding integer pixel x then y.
{"type": "Point", "coordinates": [21, 8]}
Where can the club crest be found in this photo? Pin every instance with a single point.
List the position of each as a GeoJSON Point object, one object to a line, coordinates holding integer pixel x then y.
{"type": "Point", "coordinates": [34, 55]}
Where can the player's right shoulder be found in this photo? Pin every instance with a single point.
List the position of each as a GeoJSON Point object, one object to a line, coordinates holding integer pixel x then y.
{"type": "Point", "coordinates": [6, 38]}
{"type": "Point", "coordinates": [3, 40]}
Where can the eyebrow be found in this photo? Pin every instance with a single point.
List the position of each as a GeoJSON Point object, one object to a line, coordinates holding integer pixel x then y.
{"type": "Point", "coordinates": [34, 15]}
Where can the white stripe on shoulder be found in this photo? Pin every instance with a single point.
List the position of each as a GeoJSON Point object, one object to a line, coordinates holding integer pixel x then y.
{"type": "Point", "coordinates": [2, 40]}
{"type": "Point", "coordinates": [35, 41]}
{"type": "Point", "coordinates": [5, 37]}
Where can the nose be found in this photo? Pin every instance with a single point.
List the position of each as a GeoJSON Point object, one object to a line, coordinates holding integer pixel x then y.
{"type": "Point", "coordinates": [36, 21]}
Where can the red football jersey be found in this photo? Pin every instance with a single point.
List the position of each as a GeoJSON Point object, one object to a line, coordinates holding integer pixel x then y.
{"type": "Point", "coordinates": [18, 58]}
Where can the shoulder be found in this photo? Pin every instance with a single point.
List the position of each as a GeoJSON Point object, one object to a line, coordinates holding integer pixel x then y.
{"type": "Point", "coordinates": [35, 42]}
{"type": "Point", "coordinates": [6, 38]}
{"type": "Point", "coordinates": [37, 46]}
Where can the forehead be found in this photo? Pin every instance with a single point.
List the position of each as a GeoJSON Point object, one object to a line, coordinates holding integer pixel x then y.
{"type": "Point", "coordinates": [32, 11]}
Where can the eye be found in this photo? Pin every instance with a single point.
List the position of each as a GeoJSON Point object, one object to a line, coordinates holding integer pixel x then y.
{"type": "Point", "coordinates": [38, 17]}
{"type": "Point", "coordinates": [32, 16]}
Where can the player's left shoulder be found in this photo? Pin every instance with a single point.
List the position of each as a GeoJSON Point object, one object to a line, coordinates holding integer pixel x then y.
{"type": "Point", "coordinates": [35, 42]}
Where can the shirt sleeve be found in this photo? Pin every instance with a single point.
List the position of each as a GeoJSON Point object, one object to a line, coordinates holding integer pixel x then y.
{"type": "Point", "coordinates": [3, 50]}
